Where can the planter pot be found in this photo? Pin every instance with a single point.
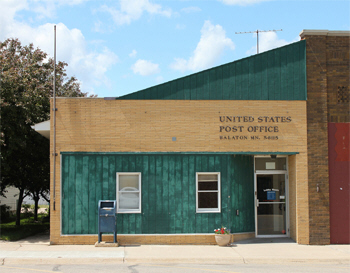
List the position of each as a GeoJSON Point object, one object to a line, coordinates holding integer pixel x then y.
{"type": "Point", "coordinates": [222, 239]}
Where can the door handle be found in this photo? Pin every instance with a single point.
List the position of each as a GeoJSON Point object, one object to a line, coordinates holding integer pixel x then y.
{"type": "Point", "coordinates": [257, 203]}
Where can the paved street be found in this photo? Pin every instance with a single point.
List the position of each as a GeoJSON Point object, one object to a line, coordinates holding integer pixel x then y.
{"type": "Point", "coordinates": [177, 268]}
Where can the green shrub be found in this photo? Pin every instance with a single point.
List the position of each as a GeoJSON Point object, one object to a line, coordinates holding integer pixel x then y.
{"type": "Point", "coordinates": [28, 227]}
{"type": "Point", "coordinates": [27, 211]}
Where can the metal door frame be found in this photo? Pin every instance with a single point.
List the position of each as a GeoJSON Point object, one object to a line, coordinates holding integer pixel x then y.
{"type": "Point", "coordinates": [285, 172]}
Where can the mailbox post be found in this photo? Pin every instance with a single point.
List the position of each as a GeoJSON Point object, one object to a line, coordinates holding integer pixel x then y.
{"type": "Point", "coordinates": [107, 210]}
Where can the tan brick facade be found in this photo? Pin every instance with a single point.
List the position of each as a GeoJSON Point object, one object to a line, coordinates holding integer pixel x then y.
{"type": "Point", "coordinates": [98, 125]}
{"type": "Point", "coordinates": [328, 101]}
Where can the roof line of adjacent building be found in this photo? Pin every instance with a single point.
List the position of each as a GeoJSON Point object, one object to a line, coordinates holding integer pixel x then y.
{"type": "Point", "coordinates": [323, 32]}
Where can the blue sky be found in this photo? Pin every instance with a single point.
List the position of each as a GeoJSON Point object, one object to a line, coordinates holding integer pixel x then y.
{"type": "Point", "coordinates": [122, 46]}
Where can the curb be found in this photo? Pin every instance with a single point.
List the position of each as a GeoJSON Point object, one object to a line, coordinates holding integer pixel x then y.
{"type": "Point", "coordinates": [121, 260]}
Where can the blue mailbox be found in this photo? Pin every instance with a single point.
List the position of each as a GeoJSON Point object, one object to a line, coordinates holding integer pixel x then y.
{"type": "Point", "coordinates": [107, 211]}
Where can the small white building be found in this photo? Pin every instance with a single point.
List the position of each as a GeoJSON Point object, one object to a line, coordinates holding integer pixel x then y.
{"type": "Point", "coordinates": [11, 198]}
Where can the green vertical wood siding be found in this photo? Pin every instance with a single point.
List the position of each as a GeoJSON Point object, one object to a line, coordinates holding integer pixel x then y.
{"type": "Point", "coordinates": [168, 192]}
{"type": "Point", "coordinates": [278, 74]}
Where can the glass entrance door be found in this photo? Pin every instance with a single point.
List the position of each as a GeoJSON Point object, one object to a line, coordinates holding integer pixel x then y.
{"type": "Point", "coordinates": [270, 197]}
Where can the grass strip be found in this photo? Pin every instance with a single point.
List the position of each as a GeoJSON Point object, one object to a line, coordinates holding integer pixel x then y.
{"type": "Point", "coordinates": [11, 232]}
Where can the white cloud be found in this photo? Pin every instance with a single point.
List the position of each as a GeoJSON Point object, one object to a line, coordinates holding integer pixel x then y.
{"type": "Point", "coordinates": [98, 27]}
{"type": "Point", "coordinates": [242, 2]}
{"type": "Point", "coordinates": [211, 45]}
{"type": "Point", "coordinates": [8, 11]}
{"type": "Point", "coordinates": [88, 66]}
{"type": "Point", "coordinates": [159, 79]}
{"type": "Point", "coordinates": [191, 9]}
{"type": "Point", "coordinates": [145, 68]}
{"type": "Point", "coordinates": [47, 8]}
{"type": "Point", "coordinates": [131, 10]}
{"type": "Point", "coordinates": [180, 26]}
{"type": "Point", "coordinates": [133, 53]}
{"type": "Point", "coordinates": [268, 41]}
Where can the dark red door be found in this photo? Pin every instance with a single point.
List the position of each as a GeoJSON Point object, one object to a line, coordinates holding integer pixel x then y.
{"type": "Point", "coordinates": [339, 182]}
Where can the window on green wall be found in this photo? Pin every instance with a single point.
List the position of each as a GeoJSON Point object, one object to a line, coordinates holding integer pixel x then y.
{"type": "Point", "coordinates": [129, 192]}
{"type": "Point", "coordinates": [208, 192]}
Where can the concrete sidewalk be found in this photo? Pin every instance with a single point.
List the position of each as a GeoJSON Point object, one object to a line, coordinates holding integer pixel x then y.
{"type": "Point", "coordinates": [37, 250]}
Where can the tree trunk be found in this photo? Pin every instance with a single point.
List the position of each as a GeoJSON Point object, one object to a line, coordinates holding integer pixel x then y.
{"type": "Point", "coordinates": [36, 206]}
{"type": "Point", "coordinates": [19, 206]}
{"type": "Point", "coordinates": [43, 195]}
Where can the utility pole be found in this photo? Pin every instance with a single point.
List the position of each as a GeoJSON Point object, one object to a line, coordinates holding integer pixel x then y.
{"type": "Point", "coordinates": [54, 121]}
{"type": "Point", "coordinates": [257, 35]}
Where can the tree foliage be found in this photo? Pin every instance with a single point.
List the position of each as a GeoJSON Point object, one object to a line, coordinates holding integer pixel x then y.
{"type": "Point", "coordinates": [26, 86]}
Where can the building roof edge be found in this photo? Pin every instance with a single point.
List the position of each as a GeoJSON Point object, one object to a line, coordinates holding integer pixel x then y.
{"type": "Point", "coordinates": [325, 32]}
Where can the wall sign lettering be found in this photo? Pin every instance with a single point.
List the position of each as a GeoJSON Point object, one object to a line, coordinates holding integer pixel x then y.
{"type": "Point", "coordinates": [234, 127]}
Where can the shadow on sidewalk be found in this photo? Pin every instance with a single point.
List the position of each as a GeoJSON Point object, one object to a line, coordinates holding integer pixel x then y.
{"type": "Point", "coordinates": [266, 241]}
{"type": "Point", "coordinates": [40, 238]}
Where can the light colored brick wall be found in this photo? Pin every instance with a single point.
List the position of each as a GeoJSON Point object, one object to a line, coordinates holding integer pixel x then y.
{"type": "Point", "coordinates": [98, 125]}
{"type": "Point", "coordinates": [292, 197]}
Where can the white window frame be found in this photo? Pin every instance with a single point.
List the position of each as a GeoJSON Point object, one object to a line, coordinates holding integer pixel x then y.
{"type": "Point", "coordinates": [117, 193]}
{"type": "Point", "coordinates": [209, 210]}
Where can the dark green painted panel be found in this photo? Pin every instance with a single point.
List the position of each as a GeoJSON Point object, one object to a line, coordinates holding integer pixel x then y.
{"type": "Point", "coordinates": [160, 220]}
{"type": "Point", "coordinates": [197, 168]}
{"type": "Point", "coordinates": [194, 88]}
{"type": "Point", "coordinates": [185, 193]}
{"type": "Point", "coordinates": [302, 71]}
{"type": "Point", "coordinates": [271, 74]}
{"type": "Point", "coordinates": [238, 81]}
{"type": "Point", "coordinates": [78, 197]}
{"type": "Point", "coordinates": [191, 194]}
{"type": "Point", "coordinates": [204, 92]}
{"type": "Point", "coordinates": [105, 178]}
{"type": "Point", "coordinates": [285, 77]}
{"type": "Point", "coordinates": [186, 89]}
{"type": "Point", "coordinates": [70, 195]}
{"type": "Point", "coordinates": [173, 90]}
{"type": "Point", "coordinates": [152, 195]}
{"type": "Point", "coordinates": [164, 198]}
{"type": "Point", "coordinates": [227, 83]}
{"type": "Point", "coordinates": [138, 217]}
{"type": "Point", "coordinates": [85, 195]}
{"type": "Point", "coordinates": [249, 79]}
{"type": "Point", "coordinates": [92, 199]}
{"type": "Point", "coordinates": [172, 183]}
{"type": "Point", "coordinates": [168, 192]}
{"type": "Point", "coordinates": [178, 194]}
{"type": "Point", "coordinates": [253, 82]}
{"type": "Point", "coordinates": [145, 194]}
{"type": "Point", "coordinates": [65, 190]}
{"type": "Point", "coordinates": [278, 75]}
{"type": "Point", "coordinates": [264, 78]}
{"type": "Point", "coordinates": [221, 164]}
{"type": "Point", "coordinates": [244, 202]}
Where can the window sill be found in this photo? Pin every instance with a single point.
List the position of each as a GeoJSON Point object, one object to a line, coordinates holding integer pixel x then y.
{"type": "Point", "coordinates": [208, 211]}
{"type": "Point", "coordinates": [128, 211]}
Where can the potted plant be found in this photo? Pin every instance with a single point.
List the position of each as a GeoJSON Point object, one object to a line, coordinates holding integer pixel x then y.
{"type": "Point", "coordinates": [222, 236]}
